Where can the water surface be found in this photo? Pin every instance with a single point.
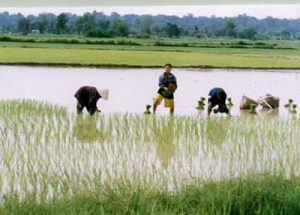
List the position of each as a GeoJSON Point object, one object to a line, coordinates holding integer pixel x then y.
{"type": "Point", "coordinates": [132, 89]}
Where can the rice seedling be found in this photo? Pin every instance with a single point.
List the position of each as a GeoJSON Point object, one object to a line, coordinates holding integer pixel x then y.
{"type": "Point", "coordinates": [52, 158]}
{"type": "Point", "coordinates": [201, 103]}
{"type": "Point", "coordinates": [229, 102]}
{"type": "Point", "coordinates": [253, 108]}
{"type": "Point", "coordinates": [293, 108]}
{"type": "Point", "coordinates": [289, 104]}
{"type": "Point", "coordinates": [147, 111]}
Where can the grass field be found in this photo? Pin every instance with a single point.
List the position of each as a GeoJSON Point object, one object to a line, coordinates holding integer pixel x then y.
{"type": "Point", "coordinates": [150, 52]}
{"type": "Point", "coordinates": [53, 162]}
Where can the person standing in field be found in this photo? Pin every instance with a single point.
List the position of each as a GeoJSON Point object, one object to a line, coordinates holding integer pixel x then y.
{"type": "Point", "coordinates": [217, 96]}
{"type": "Point", "coordinates": [87, 97]}
{"type": "Point", "coordinates": [167, 86]}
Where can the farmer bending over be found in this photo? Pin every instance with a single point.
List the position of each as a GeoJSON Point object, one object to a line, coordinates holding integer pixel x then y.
{"type": "Point", "coordinates": [167, 87]}
{"type": "Point", "coordinates": [217, 96]}
{"type": "Point", "coordinates": [87, 97]}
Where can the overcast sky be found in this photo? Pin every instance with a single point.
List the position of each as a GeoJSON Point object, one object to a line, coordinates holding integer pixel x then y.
{"type": "Point", "coordinates": [259, 11]}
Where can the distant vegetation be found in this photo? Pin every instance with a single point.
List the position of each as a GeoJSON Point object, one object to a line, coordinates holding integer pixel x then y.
{"type": "Point", "coordinates": [68, 40]}
{"type": "Point", "coordinates": [99, 25]}
{"type": "Point", "coordinates": [136, 42]}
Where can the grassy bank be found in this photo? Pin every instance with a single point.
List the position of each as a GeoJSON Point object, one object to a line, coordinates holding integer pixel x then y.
{"type": "Point", "coordinates": [253, 195]}
{"type": "Point", "coordinates": [53, 162]}
{"type": "Point", "coordinates": [149, 53]}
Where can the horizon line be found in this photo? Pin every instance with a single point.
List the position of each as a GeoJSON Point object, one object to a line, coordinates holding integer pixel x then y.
{"type": "Point", "coordinates": [283, 11]}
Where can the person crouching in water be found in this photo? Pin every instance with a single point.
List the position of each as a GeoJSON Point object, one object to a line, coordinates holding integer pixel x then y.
{"type": "Point", "coordinates": [167, 87]}
{"type": "Point", "coordinates": [87, 97]}
{"type": "Point", "coordinates": [217, 96]}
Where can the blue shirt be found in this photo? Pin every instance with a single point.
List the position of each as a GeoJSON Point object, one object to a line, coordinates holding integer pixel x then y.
{"type": "Point", "coordinates": [165, 80]}
{"type": "Point", "coordinates": [213, 96]}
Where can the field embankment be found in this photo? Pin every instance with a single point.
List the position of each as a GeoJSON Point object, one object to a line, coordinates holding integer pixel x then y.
{"type": "Point", "coordinates": [149, 52]}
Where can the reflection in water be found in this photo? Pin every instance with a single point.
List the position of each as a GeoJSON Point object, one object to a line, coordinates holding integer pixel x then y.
{"type": "Point", "coordinates": [216, 130]}
{"type": "Point", "coordinates": [261, 112]}
{"type": "Point", "coordinates": [244, 112]}
{"type": "Point", "coordinates": [164, 138]}
{"type": "Point", "coordinates": [201, 112]}
{"type": "Point", "coordinates": [269, 112]}
{"type": "Point", "coordinates": [85, 129]}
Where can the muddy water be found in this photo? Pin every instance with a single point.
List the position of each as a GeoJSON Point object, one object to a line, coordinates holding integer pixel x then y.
{"type": "Point", "coordinates": [132, 89]}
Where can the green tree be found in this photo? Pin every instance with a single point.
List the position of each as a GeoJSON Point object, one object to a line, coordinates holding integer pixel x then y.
{"type": "Point", "coordinates": [285, 34]}
{"type": "Point", "coordinates": [42, 24]}
{"type": "Point", "coordinates": [230, 29]}
{"type": "Point", "coordinates": [198, 32]}
{"type": "Point", "coordinates": [85, 23]}
{"type": "Point", "coordinates": [120, 29]}
{"type": "Point", "coordinates": [248, 33]}
{"type": "Point", "coordinates": [148, 21]}
{"type": "Point", "coordinates": [61, 23]}
{"type": "Point", "coordinates": [24, 26]}
{"type": "Point", "coordinates": [171, 30]}
{"type": "Point", "coordinates": [103, 24]}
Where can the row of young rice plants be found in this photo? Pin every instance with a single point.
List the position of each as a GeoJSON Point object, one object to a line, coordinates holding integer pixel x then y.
{"type": "Point", "coordinates": [49, 154]}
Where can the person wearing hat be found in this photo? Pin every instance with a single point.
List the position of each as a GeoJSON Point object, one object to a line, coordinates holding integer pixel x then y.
{"type": "Point", "coordinates": [87, 97]}
{"type": "Point", "coordinates": [167, 86]}
{"type": "Point", "coordinates": [217, 96]}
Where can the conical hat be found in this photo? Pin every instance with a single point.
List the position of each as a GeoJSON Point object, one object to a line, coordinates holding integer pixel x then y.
{"type": "Point", "coordinates": [103, 93]}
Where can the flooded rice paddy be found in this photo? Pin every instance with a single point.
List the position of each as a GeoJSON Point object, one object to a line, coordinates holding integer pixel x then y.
{"type": "Point", "coordinates": [48, 153]}
{"type": "Point", "coordinates": [132, 89]}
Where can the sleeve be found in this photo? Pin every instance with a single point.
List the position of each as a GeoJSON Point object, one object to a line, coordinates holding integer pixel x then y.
{"type": "Point", "coordinates": [160, 81]}
{"type": "Point", "coordinates": [175, 82]}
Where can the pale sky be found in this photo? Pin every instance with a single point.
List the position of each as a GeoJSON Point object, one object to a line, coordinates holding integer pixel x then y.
{"type": "Point", "coordinates": [290, 11]}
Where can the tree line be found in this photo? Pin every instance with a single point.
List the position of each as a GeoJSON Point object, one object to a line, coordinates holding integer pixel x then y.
{"type": "Point", "coordinates": [97, 24]}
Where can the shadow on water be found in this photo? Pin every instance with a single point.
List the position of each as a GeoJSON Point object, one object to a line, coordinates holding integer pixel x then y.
{"type": "Point", "coordinates": [164, 136]}
{"type": "Point", "coordinates": [85, 129]}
